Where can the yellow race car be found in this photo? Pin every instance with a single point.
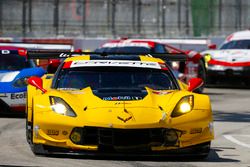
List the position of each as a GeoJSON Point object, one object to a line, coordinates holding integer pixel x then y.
{"type": "Point", "coordinates": [117, 105]}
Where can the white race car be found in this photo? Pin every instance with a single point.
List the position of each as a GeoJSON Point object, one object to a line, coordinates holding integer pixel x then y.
{"type": "Point", "coordinates": [231, 60]}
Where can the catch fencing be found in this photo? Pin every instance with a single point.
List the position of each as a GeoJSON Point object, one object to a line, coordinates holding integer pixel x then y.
{"type": "Point", "coordinates": [123, 18]}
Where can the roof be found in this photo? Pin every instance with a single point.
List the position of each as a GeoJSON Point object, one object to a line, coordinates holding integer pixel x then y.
{"type": "Point", "coordinates": [240, 35]}
{"type": "Point", "coordinates": [130, 43]}
{"type": "Point", "coordinates": [114, 61]}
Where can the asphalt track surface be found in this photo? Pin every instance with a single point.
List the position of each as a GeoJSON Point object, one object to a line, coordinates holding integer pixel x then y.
{"type": "Point", "coordinates": [231, 147]}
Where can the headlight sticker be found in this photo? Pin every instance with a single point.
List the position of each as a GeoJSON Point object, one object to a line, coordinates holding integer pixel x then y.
{"type": "Point", "coordinates": [117, 98]}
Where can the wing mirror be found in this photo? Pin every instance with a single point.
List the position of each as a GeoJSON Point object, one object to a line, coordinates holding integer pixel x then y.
{"type": "Point", "coordinates": [194, 83]}
{"type": "Point", "coordinates": [212, 46]}
{"type": "Point", "coordinates": [37, 83]}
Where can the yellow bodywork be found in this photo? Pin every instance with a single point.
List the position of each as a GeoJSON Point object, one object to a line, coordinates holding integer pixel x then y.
{"type": "Point", "coordinates": [153, 111]}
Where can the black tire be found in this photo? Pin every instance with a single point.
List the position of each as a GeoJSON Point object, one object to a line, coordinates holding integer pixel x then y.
{"type": "Point", "coordinates": [29, 128]}
{"type": "Point", "coordinates": [37, 149]}
{"type": "Point", "coordinates": [201, 74]}
{"type": "Point", "coordinates": [247, 83]}
{"type": "Point", "coordinates": [211, 80]}
{"type": "Point", "coordinates": [29, 132]}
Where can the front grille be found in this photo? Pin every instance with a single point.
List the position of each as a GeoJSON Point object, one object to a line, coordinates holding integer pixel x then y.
{"type": "Point", "coordinates": [120, 137]}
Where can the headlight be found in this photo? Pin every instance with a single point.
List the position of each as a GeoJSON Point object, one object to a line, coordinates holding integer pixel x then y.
{"type": "Point", "coordinates": [175, 65]}
{"type": "Point", "coordinates": [207, 58]}
{"type": "Point", "coordinates": [184, 106]}
{"type": "Point", "coordinates": [21, 82]}
{"type": "Point", "coordinates": [59, 106]}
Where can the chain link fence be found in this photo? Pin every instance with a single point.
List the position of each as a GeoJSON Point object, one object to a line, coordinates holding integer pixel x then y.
{"type": "Point", "coordinates": [116, 18]}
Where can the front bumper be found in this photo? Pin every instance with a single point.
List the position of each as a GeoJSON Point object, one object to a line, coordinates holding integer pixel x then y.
{"type": "Point", "coordinates": [95, 133]}
{"type": "Point", "coordinates": [12, 102]}
{"type": "Point", "coordinates": [195, 150]}
{"type": "Point", "coordinates": [224, 71]}
{"type": "Point", "coordinates": [94, 140]}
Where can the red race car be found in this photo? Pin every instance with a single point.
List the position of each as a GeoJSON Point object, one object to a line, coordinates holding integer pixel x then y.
{"type": "Point", "coordinates": [192, 68]}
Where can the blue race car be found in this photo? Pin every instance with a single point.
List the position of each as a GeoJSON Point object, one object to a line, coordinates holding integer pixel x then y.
{"type": "Point", "coordinates": [14, 71]}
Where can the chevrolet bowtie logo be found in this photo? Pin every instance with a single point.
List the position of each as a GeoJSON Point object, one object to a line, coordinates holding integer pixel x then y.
{"type": "Point", "coordinates": [126, 116]}
{"type": "Point", "coordinates": [124, 120]}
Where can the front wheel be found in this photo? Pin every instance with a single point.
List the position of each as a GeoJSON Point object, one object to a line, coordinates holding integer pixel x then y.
{"type": "Point", "coordinates": [29, 133]}
{"type": "Point", "coordinates": [37, 149]}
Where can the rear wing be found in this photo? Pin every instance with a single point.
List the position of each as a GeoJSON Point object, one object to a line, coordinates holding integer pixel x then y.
{"type": "Point", "coordinates": [196, 44]}
{"type": "Point", "coordinates": [62, 55]}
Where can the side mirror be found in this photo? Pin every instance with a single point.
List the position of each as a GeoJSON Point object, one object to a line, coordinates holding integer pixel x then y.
{"type": "Point", "coordinates": [212, 46]}
{"type": "Point", "coordinates": [37, 82]}
{"type": "Point", "coordinates": [194, 83]}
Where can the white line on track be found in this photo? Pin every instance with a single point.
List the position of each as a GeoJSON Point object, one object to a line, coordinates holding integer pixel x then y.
{"type": "Point", "coordinates": [232, 139]}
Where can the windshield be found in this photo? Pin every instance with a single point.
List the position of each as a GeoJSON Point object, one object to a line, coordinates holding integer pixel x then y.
{"type": "Point", "coordinates": [127, 49]}
{"type": "Point", "coordinates": [13, 62]}
{"type": "Point", "coordinates": [239, 44]}
{"type": "Point", "coordinates": [115, 78]}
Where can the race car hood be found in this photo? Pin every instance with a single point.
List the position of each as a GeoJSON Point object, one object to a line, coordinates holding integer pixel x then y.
{"type": "Point", "coordinates": [229, 55]}
{"type": "Point", "coordinates": [155, 107]}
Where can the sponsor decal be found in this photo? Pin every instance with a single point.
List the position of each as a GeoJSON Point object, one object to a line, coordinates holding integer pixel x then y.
{"type": "Point", "coordinates": [14, 99]}
{"type": "Point", "coordinates": [65, 133]}
{"type": "Point", "coordinates": [115, 98]}
{"type": "Point", "coordinates": [18, 95]}
{"type": "Point", "coordinates": [195, 130]}
{"type": "Point", "coordinates": [64, 55]}
{"type": "Point", "coordinates": [53, 132]}
{"type": "Point", "coordinates": [112, 63]}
